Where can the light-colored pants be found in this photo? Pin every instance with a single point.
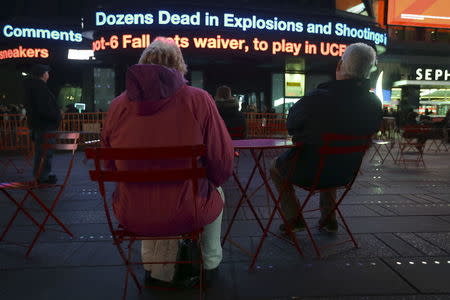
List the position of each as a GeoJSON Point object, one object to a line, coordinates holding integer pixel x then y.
{"type": "Point", "coordinates": [289, 203]}
{"type": "Point", "coordinates": [167, 250]}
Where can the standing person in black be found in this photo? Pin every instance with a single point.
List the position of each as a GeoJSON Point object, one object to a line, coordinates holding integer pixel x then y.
{"type": "Point", "coordinates": [229, 111]}
{"type": "Point", "coordinates": [43, 116]}
{"type": "Point", "coordinates": [344, 106]}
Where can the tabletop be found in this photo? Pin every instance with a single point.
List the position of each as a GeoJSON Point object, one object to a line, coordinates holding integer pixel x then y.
{"type": "Point", "coordinates": [262, 144]}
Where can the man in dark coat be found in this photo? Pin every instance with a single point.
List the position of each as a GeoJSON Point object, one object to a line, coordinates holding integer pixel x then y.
{"type": "Point", "coordinates": [43, 116]}
{"type": "Point", "coordinates": [344, 106]}
{"type": "Point", "coordinates": [229, 111]}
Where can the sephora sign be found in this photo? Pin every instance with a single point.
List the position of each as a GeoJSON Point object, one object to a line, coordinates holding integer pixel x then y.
{"type": "Point", "coordinates": [432, 74]}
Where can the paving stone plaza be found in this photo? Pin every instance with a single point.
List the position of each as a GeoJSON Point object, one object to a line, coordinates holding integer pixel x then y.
{"type": "Point", "coordinates": [400, 217]}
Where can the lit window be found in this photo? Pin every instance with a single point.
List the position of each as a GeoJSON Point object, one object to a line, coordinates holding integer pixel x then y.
{"type": "Point", "coordinates": [352, 6]}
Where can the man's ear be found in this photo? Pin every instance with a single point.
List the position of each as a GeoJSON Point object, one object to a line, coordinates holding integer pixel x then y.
{"type": "Point", "coordinates": [339, 66]}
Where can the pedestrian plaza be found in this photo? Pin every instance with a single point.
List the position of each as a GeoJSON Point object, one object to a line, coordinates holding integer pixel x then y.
{"type": "Point", "coordinates": [399, 215]}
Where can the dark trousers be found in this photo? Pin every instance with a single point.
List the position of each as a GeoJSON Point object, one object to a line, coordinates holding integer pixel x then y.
{"type": "Point", "coordinates": [289, 202]}
{"type": "Point", "coordinates": [42, 169]}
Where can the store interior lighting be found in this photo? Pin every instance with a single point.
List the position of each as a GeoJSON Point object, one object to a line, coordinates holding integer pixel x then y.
{"type": "Point", "coordinates": [357, 9]}
{"type": "Point", "coordinates": [77, 54]}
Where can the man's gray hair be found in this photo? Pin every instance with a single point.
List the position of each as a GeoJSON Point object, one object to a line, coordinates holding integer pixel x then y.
{"type": "Point", "coordinates": [358, 60]}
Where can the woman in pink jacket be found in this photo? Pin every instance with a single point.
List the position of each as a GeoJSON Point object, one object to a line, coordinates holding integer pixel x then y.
{"type": "Point", "coordinates": [159, 109]}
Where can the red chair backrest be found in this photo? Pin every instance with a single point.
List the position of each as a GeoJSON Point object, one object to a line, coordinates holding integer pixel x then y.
{"type": "Point", "coordinates": [193, 172]}
{"type": "Point", "coordinates": [336, 162]}
{"type": "Point", "coordinates": [160, 153]}
{"type": "Point", "coordinates": [62, 141]}
{"type": "Point", "coordinates": [67, 141]}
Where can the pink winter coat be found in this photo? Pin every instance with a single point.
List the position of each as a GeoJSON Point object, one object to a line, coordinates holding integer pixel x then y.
{"type": "Point", "coordinates": [158, 109]}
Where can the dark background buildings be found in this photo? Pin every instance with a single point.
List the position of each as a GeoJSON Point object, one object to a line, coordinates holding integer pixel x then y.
{"type": "Point", "coordinates": [259, 79]}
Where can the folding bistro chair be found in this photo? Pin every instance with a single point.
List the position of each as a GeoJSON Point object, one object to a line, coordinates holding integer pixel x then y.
{"type": "Point", "coordinates": [63, 141]}
{"type": "Point", "coordinates": [437, 138]}
{"type": "Point", "coordinates": [378, 144]}
{"type": "Point", "coordinates": [336, 148]}
{"type": "Point", "coordinates": [385, 139]}
{"type": "Point", "coordinates": [409, 145]}
{"type": "Point", "coordinates": [120, 234]}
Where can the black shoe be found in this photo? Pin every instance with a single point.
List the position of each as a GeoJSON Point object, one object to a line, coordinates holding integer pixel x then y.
{"type": "Point", "coordinates": [298, 225]}
{"type": "Point", "coordinates": [152, 282]}
{"type": "Point", "coordinates": [330, 226]}
{"type": "Point", "coordinates": [186, 283]}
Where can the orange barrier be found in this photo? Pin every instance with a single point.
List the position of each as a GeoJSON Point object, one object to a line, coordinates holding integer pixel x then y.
{"type": "Point", "coordinates": [10, 139]}
{"type": "Point", "coordinates": [89, 125]}
{"type": "Point", "coordinates": [265, 125]}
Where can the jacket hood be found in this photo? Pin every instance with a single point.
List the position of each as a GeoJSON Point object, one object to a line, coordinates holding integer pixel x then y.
{"type": "Point", "coordinates": [149, 87]}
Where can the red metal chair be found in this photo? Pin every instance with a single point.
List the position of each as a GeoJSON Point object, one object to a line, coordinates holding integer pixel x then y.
{"type": "Point", "coordinates": [438, 138]}
{"type": "Point", "coordinates": [412, 143]}
{"type": "Point", "coordinates": [121, 234]}
{"type": "Point", "coordinates": [335, 147]}
{"type": "Point", "coordinates": [62, 141]}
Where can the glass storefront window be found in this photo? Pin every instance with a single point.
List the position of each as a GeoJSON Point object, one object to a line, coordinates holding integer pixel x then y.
{"type": "Point", "coordinates": [69, 95]}
{"type": "Point", "coordinates": [104, 87]}
{"type": "Point", "coordinates": [197, 79]}
{"type": "Point", "coordinates": [278, 92]}
{"type": "Point", "coordinates": [436, 100]}
{"type": "Point", "coordinates": [294, 85]}
{"type": "Point", "coordinates": [396, 95]}
{"type": "Point", "coordinates": [287, 89]}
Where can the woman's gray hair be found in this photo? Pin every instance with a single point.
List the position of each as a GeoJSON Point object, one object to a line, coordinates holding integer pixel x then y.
{"type": "Point", "coordinates": [164, 51]}
{"type": "Point", "coordinates": [358, 60]}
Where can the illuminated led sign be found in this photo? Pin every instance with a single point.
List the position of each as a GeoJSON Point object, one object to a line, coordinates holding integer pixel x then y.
{"type": "Point", "coordinates": [10, 31]}
{"type": "Point", "coordinates": [219, 42]}
{"type": "Point", "coordinates": [22, 52]}
{"type": "Point", "coordinates": [424, 13]}
{"type": "Point", "coordinates": [206, 21]}
{"type": "Point", "coordinates": [432, 74]}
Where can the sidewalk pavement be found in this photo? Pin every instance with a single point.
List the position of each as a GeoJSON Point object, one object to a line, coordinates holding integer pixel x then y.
{"type": "Point", "coordinates": [400, 216]}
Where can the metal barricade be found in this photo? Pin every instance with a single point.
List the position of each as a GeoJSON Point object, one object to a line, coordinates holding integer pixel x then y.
{"type": "Point", "coordinates": [266, 125]}
{"type": "Point", "coordinates": [12, 137]}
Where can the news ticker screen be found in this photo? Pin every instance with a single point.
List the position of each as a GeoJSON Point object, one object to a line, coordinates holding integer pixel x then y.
{"type": "Point", "coordinates": [420, 13]}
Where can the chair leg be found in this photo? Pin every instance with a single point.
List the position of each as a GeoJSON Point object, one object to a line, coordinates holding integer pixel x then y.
{"type": "Point", "coordinates": [126, 259]}
{"type": "Point", "coordinates": [242, 200]}
{"type": "Point", "coordinates": [313, 241]}
{"type": "Point", "coordinates": [347, 228]}
{"type": "Point", "coordinates": [19, 208]}
{"type": "Point", "coordinates": [336, 208]}
{"type": "Point", "coordinates": [390, 148]}
{"type": "Point", "coordinates": [265, 233]}
{"type": "Point", "coordinates": [44, 222]}
{"type": "Point", "coordinates": [201, 269]}
{"type": "Point", "coordinates": [19, 171]}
